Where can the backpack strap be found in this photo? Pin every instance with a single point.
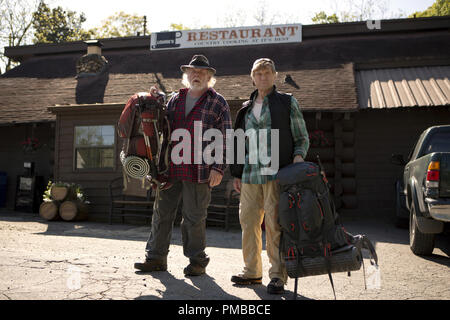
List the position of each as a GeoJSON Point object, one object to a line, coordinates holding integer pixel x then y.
{"type": "Point", "coordinates": [361, 241]}
{"type": "Point", "coordinates": [294, 297]}
{"type": "Point", "coordinates": [128, 137]}
{"type": "Point", "coordinates": [331, 279]}
{"type": "Point", "coordinates": [364, 275]}
{"type": "Point", "coordinates": [327, 255]}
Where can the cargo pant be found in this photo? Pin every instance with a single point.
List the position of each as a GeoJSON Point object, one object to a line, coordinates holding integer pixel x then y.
{"type": "Point", "coordinates": [259, 201]}
{"type": "Point", "coordinates": [196, 198]}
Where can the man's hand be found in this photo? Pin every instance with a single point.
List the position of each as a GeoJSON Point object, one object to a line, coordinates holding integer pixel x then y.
{"type": "Point", "coordinates": [154, 90]}
{"type": "Point", "coordinates": [237, 185]}
{"type": "Point", "coordinates": [298, 158]}
{"type": "Point", "coordinates": [215, 178]}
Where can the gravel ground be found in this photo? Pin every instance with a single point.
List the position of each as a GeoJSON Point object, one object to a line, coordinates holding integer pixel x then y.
{"type": "Point", "coordinates": [87, 260]}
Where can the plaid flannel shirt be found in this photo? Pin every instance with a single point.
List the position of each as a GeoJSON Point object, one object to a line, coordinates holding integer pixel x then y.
{"type": "Point", "coordinates": [252, 172]}
{"type": "Point", "coordinates": [212, 111]}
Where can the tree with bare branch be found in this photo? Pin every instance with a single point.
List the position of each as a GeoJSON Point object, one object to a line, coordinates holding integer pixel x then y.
{"type": "Point", "coordinates": [16, 19]}
{"type": "Point", "coordinates": [357, 10]}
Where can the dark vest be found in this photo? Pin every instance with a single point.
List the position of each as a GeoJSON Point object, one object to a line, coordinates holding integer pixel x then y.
{"type": "Point", "coordinates": [280, 114]}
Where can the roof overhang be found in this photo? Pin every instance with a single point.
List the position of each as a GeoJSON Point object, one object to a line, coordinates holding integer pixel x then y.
{"type": "Point", "coordinates": [21, 53]}
{"type": "Point", "coordinates": [97, 107]}
{"type": "Point", "coordinates": [403, 87]}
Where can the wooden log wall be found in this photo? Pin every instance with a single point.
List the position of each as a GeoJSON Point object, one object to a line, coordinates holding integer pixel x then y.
{"type": "Point", "coordinates": [332, 138]}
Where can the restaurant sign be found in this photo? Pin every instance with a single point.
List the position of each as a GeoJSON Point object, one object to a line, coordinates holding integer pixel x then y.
{"type": "Point", "coordinates": [241, 36]}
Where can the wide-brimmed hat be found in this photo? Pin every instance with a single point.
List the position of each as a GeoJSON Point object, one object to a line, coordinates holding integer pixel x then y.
{"type": "Point", "coordinates": [198, 61]}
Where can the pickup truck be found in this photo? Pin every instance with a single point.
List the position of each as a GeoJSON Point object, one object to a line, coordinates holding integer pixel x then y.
{"type": "Point", "coordinates": [424, 191]}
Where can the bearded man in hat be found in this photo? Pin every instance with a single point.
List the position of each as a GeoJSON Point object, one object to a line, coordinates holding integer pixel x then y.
{"type": "Point", "coordinates": [197, 105]}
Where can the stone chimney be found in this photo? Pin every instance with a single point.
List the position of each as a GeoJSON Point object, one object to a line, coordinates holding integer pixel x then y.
{"type": "Point", "coordinates": [93, 62]}
{"type": "Point", "coordinates": [92, 74]}
{"type": "Point", "coordinates": [94, 47]}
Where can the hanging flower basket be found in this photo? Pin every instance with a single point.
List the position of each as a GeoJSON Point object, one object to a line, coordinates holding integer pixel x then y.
{"type": "Point", "coordinates": [30, 145]}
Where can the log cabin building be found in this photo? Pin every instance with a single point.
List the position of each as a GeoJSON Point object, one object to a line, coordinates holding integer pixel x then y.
{"type": "Point", "coordinates": [365, 94]}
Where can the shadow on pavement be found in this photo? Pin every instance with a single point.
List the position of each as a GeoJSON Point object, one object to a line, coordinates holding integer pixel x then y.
{"type": "Point", "coordinates": [261, 292]}
{"type": "Point", "coordinates": [437, 258]}
{"type": "Point", "coordinates": [382, 230]}
{"type": "Point", "coordinates": [202, 288]}
{"type": "Point", "coordinates": [442, 242]}
{"type": "Point", "coordinates": [377, 230]}
{"type": "Point", "coordinates": [216, 237]}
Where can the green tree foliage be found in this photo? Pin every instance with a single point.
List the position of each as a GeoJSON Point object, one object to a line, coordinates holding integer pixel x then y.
{"type": "Point", "coordinates": [121, 24]}
{"type": "Point", "coordinates": [57, 25]}
{"type": "Point", "coordinates": [321, 17]}
{"type": "Point", "coordinates": [439, 8]}
{"type": "Point", "coordinates": [178, 26]}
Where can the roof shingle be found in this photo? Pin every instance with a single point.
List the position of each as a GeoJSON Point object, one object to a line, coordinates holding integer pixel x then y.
{"type": "Point", "coordinates": [26, 99]}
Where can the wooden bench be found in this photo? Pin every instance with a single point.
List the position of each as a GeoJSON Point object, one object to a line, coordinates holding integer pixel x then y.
{"type": "Point", "coordinates": [133, 201]}
{"type": "Point", "coordinates": [224, 207]}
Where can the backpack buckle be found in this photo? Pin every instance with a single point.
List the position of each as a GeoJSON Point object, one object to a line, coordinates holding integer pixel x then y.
{"type": "Point", "coordinates": [291, 200]}
{"type": "Point", "coordinates": [291, 253]}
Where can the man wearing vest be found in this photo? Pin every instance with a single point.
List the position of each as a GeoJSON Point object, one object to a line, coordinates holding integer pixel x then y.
{"type": "Point", "coordinates": [197, 105]}
{"type": "Point", "coordinates": [267, 109]}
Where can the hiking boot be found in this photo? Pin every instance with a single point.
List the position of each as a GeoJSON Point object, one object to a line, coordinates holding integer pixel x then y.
{"type": "Point", "coordinates": [194, 270]}
{"type": "Point", "coordinates": [276, 286]}
{"type": "Point", "coordinates": [150, 265]}
{"type": "Point", "coordinates": [243, 280]}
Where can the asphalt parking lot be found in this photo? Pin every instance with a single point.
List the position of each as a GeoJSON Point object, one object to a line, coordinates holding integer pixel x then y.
{"type": "Point", "coordinates": [86, 260]}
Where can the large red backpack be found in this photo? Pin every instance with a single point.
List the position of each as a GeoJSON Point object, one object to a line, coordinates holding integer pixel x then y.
{"type": "Point", "coordinates": [145, 128]}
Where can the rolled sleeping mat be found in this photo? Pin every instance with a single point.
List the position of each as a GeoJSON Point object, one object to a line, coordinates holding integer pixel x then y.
{"type": "Point", "coordinates": [136, 167]}
{"type": "Point", "coordinates": [341, 261]}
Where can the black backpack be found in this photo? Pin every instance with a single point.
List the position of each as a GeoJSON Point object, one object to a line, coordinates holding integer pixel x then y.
{"type": "Point", "coordinates": [313, 241]}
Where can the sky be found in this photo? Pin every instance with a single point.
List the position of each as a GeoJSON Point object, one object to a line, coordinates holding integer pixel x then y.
{"type": "Point", "coordinates": [213, 13]}
{"type": "Point", "coordinates": [196, 14]}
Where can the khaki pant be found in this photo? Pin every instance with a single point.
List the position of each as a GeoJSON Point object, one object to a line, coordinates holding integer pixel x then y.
{"type": "Point", "coordinates": [259, 201]}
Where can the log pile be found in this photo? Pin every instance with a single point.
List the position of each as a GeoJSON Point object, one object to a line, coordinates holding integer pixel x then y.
{"type": "Point", "coordinates": [63, 201]}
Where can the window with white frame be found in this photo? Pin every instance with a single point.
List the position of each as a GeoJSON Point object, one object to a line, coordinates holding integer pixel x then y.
{"type": "Point", "coordinates": [94, 147]}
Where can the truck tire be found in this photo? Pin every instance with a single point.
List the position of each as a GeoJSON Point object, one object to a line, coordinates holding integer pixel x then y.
{"type": "Point", "coordinates": [420, 243]}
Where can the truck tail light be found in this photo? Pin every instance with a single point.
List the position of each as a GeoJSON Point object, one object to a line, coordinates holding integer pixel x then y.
{"type": "Point", "coordinates": [433, 175]}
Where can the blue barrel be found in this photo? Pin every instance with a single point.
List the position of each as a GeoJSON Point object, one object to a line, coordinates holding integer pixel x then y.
{"type": "Point", "coordinates": [3, 180]}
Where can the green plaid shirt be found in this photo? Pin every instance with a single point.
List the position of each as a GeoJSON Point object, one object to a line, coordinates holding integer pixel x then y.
{"type": "Point", "coordinates": [252, 172]}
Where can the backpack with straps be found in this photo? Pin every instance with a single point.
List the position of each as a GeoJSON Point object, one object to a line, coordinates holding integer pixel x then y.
{"type": "Point", "coordinates": [145, 128]}
{"type": "Point", "coordinates": [313, 240]}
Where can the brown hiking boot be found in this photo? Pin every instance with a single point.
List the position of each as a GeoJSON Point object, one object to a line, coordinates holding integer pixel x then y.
{"type": "Point", "coordinates": [276, 286]}
{"type": "Point", "coordinates": [150, 265]}
{"type": "Point", "coordinates": [243, 280]}
{"type": "Point", "coordinates": [194, 270]}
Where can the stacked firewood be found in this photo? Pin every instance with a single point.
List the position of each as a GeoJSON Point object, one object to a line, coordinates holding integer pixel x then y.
{"type": "Point", "coordinates": [64, 201]}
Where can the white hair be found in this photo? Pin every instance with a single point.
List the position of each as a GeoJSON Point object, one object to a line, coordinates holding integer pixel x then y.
{"type": "Point", "coordinates": [211, 82]}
